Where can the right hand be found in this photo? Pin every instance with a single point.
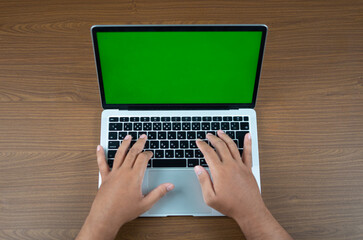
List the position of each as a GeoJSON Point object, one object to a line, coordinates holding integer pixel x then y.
{"type": "Point", "coordinates": [234, 190]}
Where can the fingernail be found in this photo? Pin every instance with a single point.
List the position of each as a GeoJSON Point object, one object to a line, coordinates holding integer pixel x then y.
{"type": "Point", "coordinates": [209, 134]}
{"type": "Point", "coordinates": [220, 131]}
{"type": "Point", "coordinates": [169, 187]}
{"type": "Point", "coordinates": [249, 136]}
{"type": "Point", "coordinates": [197, 170]}
{"type": "Point", "coordinates": [127, 137]}
{"type": "Point", "coordinates": [199, 140]}
{"type": "Point", "coordinates": [98, 148]}
{"type": "Point", "coordinates": [143, 136]}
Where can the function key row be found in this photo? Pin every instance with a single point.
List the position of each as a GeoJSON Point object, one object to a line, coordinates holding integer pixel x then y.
{"type": "Point", "coordinates": [178, 119]}
{"type": "Point", "coordinates": [167, 126]}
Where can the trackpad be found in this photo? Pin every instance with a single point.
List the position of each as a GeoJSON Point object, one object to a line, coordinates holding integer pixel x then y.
{"type": "Point", "coordinates": [185, 199]}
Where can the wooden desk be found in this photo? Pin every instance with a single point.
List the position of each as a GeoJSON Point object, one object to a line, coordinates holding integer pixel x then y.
{"type": "Point", "coordinates": [310, 114]}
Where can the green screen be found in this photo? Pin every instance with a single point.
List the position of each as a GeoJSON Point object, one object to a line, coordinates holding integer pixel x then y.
{"type": "Point", "coordinates": [178, 67]}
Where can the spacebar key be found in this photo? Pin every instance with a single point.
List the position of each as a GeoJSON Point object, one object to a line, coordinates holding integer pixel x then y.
{"type": "Point", "coordinates": [169, 163]}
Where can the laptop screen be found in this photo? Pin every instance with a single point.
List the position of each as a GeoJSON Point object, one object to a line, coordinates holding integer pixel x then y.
{"type": "Point", "coordinates": [179, 67]}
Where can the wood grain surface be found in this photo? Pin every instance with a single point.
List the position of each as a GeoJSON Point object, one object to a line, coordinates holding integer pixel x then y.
{"type": "Point", "coordinates": [309, 108]}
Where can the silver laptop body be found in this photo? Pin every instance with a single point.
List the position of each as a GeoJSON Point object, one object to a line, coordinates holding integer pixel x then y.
{"type": "Point", "coordinates": [186, 199]}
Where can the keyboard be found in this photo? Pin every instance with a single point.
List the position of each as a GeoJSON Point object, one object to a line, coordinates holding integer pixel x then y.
{"type": "Point", "coordinates": [172, 139]}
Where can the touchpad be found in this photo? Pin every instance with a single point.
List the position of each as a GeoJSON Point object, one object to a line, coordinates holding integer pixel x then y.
{"type": "Point", "coordinates": [185, 199]}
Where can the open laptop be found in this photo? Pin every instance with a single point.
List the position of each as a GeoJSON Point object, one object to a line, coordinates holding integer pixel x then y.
{"type": "Point", "coordinates": [176, 83]}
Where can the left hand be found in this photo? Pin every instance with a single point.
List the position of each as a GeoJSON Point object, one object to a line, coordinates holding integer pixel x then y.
{"type": "Point", "coordinates": [119, 199]}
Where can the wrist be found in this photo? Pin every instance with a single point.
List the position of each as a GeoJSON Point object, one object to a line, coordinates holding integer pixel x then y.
{"type": "Point", "coordinates": [255, 223]}
{"type": "Point", "coordinates": [94, 228]}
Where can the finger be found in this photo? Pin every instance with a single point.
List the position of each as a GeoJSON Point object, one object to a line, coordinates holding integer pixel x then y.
{"type": "Point", "coordinates": [140, 164]}
{"type": "Point", "coordinates": [247, 151]}
{"type": "Point", "coordinates": [209, 154]}
{"type": "Point", "coordinates": [156, 194]}
{"type": "Point", "coordinates": [205, 183]}
{"type": "Point", "coordinates": [122, 151]}
{"type": "Point", "coordinates": [101, 161]}
{"type": "Point", "coordinates": [135, 150]}
{"type": "Point", "coordinates": [220, 146]}
{"type": "Point", "coordinates": [230, 144]}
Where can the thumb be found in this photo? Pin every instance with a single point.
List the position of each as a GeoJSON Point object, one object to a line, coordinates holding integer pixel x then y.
{"type": "Point", "coordinates": [157, 193]}
{"type": "Point", "coordinates": [205, 183]}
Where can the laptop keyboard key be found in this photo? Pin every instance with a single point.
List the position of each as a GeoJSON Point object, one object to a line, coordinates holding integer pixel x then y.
{"type": "Point", "coordinates": [184, 144]}
{"type": "Point", "coordinates": [237, 118]}
{"type": "Point", "coordinates": [245, 126]}
{"type": "Point", "coordinates": [191, 135]}
{"type": "Point", "coordinates": [201, 135]}
{"type": "Point", "coordinates": [189, 153]}
{"type": "Point", "coordinates": [228, 119]}
{"type": "Point", "coordinates": [113, 119]}
{"type": "Point", "coordinates": [124, 119]}
{"type": "Point", "coordinates": [113, 144]}
{"type": "Point", "coordinates": [159, 154]}
{"type": "Point", "coordinates": [192, 144]}
{"type": "Point", "coordinates": [122, 135]}
{"type": "Point", "coordinates": [164, 144]}
{"type": "Point", "coordinates": [240, 135]}
{"type": "Point", "coordinates": [176, 119]}
{"type": "Point", "coordinates": [205, 126]}
{"type": "Point", "coordinates": [182, 135]}
{"type": "Point", "coordinates": [127, 126]}
{"type": "Point", "coordinates": [230, 134]}
{"type": "Point", "coordinates": [207, 119]}
{"type": "Point", "coordinates": [218, 119]}
{"type": "Point", "coordinates": [145, 119]}
{"type": "Point", "coordinates": [137, 126]}
{"type": "Point", "coordinates": [110, 163]}
{"type": "Point", "coordinates": [186, 126]}
{"type": "Point", "coordinates": [195, 126]}
{"type": "Point", "coordinates": [111, 153]}
{"type": "Point", "coordinates": [179, 153]}
{"type": "Point", "coordinates": [174, 144]}
{"type": "Point", "coordinates": [176, 126]}
{"type": "Point", "coordinates": [197, 119]}
{"type": "Point", "coordinates": [134, 119]}
{"type": "Point", "coordinates": [169, 153]}
{"type": "Point", "coordinates": [171, 135]}
{"type": "Point", "coordinates": [234, 126]}
{"type": "Point", "coordinates": [193, 162]}
{"type": "Point", "coordinates": [156, 126]}
{"type": "Point", "coordinates": [146, 126]}
{"type": "Point", "coordinates": [151, 135]}
{"type": "Point", "coordinates": [133, 135]}
{"type": "Point", "coordinates": [154, 144]}
{"type": "Point", "coordinates": [225, 126]}
{"type": "Point", "coordinates": [198, 153]}
{"type": "Point", "coordinates": [161, 135]}
{"type": "Point", "coordinates": [165, 119]}
{"type": "Point", "coordinates": [216, 126]}
{"type": "Point", "coordinates": [112, 135]}
{"type": "Point", "coordinates": [245, 119]}
{"type": "Point", "coordinates": [167, 126]}
{"type": "Point", "coordinates": [115, 126]}
{"type": "Point", "coordinates": [169, 163]}
{"type": "Point", "coordinates": [155, 119]}
{"type": "Point", "coordinates": [203, 163]}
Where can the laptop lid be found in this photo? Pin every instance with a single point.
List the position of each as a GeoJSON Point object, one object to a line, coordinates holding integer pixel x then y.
{"type": "Point", "coordinates": [178, 66]}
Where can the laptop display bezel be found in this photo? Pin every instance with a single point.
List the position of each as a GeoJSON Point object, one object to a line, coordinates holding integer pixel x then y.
{"type": "Point", "coordinates": [166, 28]}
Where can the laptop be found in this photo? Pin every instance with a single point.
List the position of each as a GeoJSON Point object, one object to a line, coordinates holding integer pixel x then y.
{"type": "Point", "coordinates": [176, 83]}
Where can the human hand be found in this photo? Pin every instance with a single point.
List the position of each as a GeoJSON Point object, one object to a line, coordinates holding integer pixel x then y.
{"type": "Point", "coordinates": [234, 190]}
{"type": "Point", "coordinates": [119, 199]}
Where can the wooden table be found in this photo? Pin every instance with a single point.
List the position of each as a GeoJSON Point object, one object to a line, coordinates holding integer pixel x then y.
{"type": "Point", "coordinates": [309, 107]}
